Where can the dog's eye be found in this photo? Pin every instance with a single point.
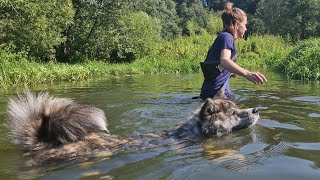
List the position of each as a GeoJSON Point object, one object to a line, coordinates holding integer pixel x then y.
{"type": "Point", "coordinates": [210, 111]}
{"type": "Point", "coordinates": [233, 111]}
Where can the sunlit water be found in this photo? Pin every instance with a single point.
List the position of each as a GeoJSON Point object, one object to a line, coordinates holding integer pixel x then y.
{"type": "Point", "coordinates": [285, 144]}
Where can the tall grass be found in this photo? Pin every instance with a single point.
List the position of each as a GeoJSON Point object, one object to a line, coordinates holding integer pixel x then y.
{"type": "Point", "coordinates": [303, 62]}
{"type": "Point", "coordinates": [181, 55]}
{"type": "Point", "coordinates": [263, 51]}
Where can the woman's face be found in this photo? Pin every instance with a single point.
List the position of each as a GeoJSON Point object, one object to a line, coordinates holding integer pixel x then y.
{"type": "Point", "coordinates": [241, 28]}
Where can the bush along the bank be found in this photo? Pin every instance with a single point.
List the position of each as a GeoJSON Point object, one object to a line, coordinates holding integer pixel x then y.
{"type": "Point", "coordinates": [303, 62]}
{"type": "Point", "coordinates": [180, 55]}
{"type": "Point", "coordinates": [262, 51]}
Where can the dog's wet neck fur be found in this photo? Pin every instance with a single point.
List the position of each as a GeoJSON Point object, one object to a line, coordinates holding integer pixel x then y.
{"type": "Point", "coordinates": [189, 130]}
{"type": "Point", "coordinates": [194, 129]}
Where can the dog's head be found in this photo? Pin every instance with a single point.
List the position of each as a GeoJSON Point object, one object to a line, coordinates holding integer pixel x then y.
{"type": "Point", "coordinates": [220, 116]}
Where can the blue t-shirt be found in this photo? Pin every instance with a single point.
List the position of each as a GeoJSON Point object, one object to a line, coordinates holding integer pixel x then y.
{"type": "Point", "coordinates": [210, 87]}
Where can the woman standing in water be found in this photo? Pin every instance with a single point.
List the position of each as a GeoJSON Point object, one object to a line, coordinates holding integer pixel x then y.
{"type": "Point", "coordinates": [220, 63]}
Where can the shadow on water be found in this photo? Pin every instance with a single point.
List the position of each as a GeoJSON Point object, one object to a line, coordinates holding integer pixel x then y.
{"type": "Point", "coordinates": [285, 143]}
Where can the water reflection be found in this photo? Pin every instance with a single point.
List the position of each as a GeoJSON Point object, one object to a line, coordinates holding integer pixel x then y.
{"type": "Point", "coordinates": [308, 99]}
{"type": "Point", "coordinates": [314, 115]}
{"type": "Point", "coordinates": [275, 124]}
{"type": "Point", "coordinates": [284, 144]}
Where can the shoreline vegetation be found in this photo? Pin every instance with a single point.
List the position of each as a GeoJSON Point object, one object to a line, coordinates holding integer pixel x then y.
{"type": "Point", "coordinates": [181, 55]}
{"type": "Point", "coordinates": [50, 41]}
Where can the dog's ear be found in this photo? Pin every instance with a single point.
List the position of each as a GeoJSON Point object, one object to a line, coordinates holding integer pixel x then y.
{"type": "Point", "coordinates": [208, 108]}
{"type": "Point", "coordinates": [220, 94]}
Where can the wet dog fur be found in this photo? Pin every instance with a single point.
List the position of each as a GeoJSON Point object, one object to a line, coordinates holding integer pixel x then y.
{"type": "Point", "coordinates": [51, 129]}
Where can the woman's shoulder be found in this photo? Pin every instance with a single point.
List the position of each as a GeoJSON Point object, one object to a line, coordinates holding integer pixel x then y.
{"type": "Point", "coordinates": [225, 40]}
{"type": "Point", "coordinates": [225, 35]}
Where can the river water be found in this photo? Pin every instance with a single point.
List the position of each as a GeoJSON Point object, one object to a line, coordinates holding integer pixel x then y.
{"type": "Point", "coordinates": [285, 143]}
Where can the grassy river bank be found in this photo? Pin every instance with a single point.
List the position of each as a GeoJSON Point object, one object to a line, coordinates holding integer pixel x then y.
{"type": "Point", "coordinates": [182, 55]}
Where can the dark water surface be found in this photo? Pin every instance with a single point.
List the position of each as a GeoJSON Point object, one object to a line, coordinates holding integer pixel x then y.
{"type": "Point", "coordinates": [285, 144]}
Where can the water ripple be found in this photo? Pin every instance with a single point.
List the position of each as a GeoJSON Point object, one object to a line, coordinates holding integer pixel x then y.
{"type": "Point", "coordinates": [310, 99]}
{"type": "Point", "coordinates": [275, 124]}
{"type": "Point", "coordinates": [245, 162]}
{"type": "Point", "coordinates": [314, 115]}
{"type": "Point", "coordinates": [307, 146]}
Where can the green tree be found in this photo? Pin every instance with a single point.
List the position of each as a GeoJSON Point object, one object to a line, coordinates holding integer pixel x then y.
{"type": "Point", "coordinates": [194, 17]}
{"type": "Point", "coordinates": [249, 6]}
{"type": "Point", "coordinates": [297, 18]}
{"type": "Point", "coordinates": [87, 35]}
{"type": "Point", "coordinates": [35, 27]}
{"type": "Point", "coordinates": [108, 30]}
{"type": "Point", "coordinates": [134, 38]}
{"type": "Point", "coordinates": [165, 11]}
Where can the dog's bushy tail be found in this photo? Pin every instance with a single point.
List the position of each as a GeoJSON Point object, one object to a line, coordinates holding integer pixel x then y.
{"type": "Point", "coordinates": [39, 121]}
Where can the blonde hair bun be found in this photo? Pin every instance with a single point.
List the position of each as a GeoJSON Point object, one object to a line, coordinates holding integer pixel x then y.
{"type": "Point", "coordinates": [229, 6]}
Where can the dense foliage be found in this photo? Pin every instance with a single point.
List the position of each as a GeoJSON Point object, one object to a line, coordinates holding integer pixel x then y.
{"type": "Point", "coordinates": [180, 55]}
{"type": "Point", "coordinates": [151, 32]}
{"type": "Point", "coordinates": [296, 19]}
{"type": "Point", "coordinates": [303, 62]}
{"type": "Point", "coordinates": [35, 27]}
{"type": "Point", "coordinates": [122, 31]}
{"type": "Point", "coordinates": [299, 19]}
{"type": "Point", "coordinates": [263, 51]}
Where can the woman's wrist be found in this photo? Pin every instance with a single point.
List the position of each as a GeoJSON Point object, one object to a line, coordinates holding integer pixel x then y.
{"type": "Point", "coordinates": [244, 73]}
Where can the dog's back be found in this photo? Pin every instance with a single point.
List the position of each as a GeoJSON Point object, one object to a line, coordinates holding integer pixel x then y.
{"type": "Point", "coordinates": [40, 121]}
{"type": "Point", "coordinates": [54, 129]}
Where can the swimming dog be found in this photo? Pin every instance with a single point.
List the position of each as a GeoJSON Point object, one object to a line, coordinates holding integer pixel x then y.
{"type": "Point", "coordinates": [50, 129]}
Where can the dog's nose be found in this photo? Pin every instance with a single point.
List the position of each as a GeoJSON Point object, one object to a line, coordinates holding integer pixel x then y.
{"type": "Point", "coordinates": [254, 110]}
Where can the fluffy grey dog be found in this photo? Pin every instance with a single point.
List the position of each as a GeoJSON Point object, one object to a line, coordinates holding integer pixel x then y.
{"type": "Point", "coordinates": [50, 129]}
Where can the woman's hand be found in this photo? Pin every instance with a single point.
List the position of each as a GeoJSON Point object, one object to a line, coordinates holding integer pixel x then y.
{"type": "Point", "coordinates": [233, 75]}
{"type": "Point", "coordinates": [255, 77]}
{"type": "Point", "coordinates": [232, 67]}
